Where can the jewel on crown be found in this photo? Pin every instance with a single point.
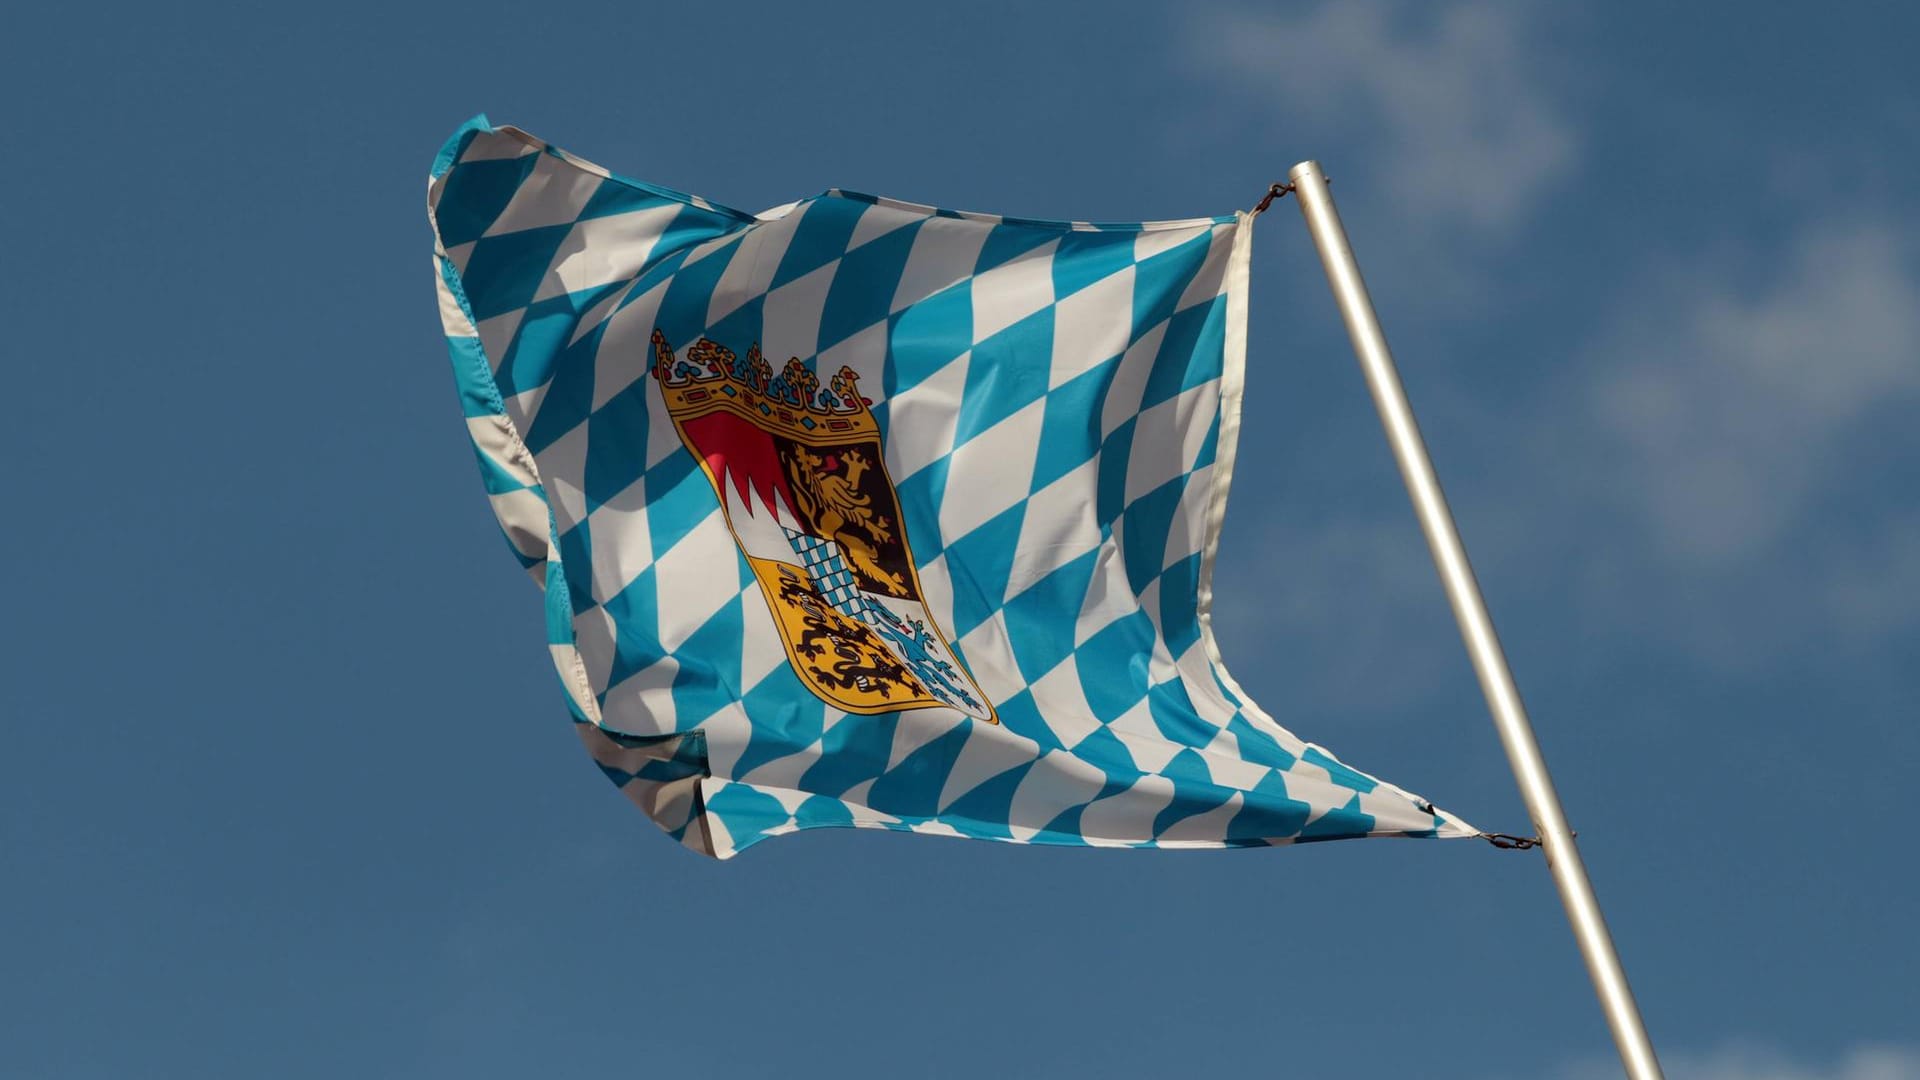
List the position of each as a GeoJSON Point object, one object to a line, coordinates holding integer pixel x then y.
{"type": "Point", "coordinates": [797, 386]}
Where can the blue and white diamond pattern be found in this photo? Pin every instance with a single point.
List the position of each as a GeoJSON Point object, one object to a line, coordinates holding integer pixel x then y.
{"type": "Point", "coordinates": [831, 575]}
{"type": "Point", "coordinates": [1059, 403]}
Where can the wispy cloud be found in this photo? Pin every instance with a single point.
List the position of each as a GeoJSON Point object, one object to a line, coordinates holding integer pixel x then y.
{"type": "Point", "coordinates": [1733, 407]}
{"type": "Point", "coordinates": [1746, 1062]}
{"type": "Point", "coordinates": [1702, 462]}
{"type": "Point", "coordinates": [1735, 415]}
{"type": "Point", "coordinates": [1702, 475]}
{"type": "Point", "coordinates": [1458, 120]}
{"type": "Point", "coordinates": [1873, 585]}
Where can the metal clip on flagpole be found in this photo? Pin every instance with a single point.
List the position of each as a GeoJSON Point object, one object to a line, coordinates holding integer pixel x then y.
{"type": "Point", "coordinates": [1489, 662]}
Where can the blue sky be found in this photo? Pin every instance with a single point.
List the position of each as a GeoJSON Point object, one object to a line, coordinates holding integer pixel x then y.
{"type": "Point", "coordinates": [290, 788]}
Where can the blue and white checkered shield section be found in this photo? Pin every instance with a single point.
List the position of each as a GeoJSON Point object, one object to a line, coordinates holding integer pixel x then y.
{"type": "Point", "coordinates": [1058, 405]}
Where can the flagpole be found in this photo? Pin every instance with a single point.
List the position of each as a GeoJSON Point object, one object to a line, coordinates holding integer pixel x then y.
{"type": "Point", "coordinates": [1470, 610]}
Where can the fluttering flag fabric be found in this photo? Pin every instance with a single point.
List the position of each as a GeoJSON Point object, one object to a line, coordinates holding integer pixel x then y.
{"type": "Point", "coordinates": [862, 513]}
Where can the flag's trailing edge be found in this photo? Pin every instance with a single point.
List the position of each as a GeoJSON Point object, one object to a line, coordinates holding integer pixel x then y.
{"type": "Point", "coordinates": [858, 512]}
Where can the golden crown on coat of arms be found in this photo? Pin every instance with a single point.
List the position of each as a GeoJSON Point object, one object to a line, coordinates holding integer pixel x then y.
{"type": "Point", "coordinates": [710, 377]}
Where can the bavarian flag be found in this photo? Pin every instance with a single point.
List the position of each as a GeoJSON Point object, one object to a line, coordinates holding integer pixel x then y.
{"type": "Point", "coordinates": [862, 513]}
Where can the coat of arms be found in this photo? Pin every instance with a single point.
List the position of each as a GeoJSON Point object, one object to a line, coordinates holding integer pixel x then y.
{"type": "Point", "coordinates": [799, 472]}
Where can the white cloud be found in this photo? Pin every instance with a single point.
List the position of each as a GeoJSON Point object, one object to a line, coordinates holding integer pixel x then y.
{"type": "Point", "coordinates": [1697, 472]}
{"type": "Point", "coordinates": [1449, 103]}
{"type": "Point", "coordinates": [1732, 408]}
{"type": "Point", "coordinates": [1874, 585]}
{"type": "Point", "coordinates": [1729, 431]}
{"type": "Point", "coordinates": [1745, 1062]}
{"type": "Point", "coordinates": [1704, 476]}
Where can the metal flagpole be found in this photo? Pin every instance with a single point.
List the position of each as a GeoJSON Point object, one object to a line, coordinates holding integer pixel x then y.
{"type": "Point", "coordinates": [1489, 662]}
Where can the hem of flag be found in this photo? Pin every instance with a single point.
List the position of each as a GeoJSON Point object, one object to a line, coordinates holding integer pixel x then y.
{"type": "Point", "coordinates": [783, 812]}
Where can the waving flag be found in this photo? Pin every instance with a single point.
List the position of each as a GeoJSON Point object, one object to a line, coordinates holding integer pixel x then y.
{"type": "Point", "coordinates": [857, 512]}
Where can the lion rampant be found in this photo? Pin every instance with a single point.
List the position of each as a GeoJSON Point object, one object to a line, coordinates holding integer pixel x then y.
{"type": "Point", "coordinates": [842, 511]}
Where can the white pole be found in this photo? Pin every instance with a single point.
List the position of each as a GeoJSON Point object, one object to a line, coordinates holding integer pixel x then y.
{"type": "Point", "coordinates": [1489, 662]}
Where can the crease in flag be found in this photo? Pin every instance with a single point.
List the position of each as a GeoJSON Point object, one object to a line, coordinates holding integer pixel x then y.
{"type": "Point", "coordinates": [863, 513]}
